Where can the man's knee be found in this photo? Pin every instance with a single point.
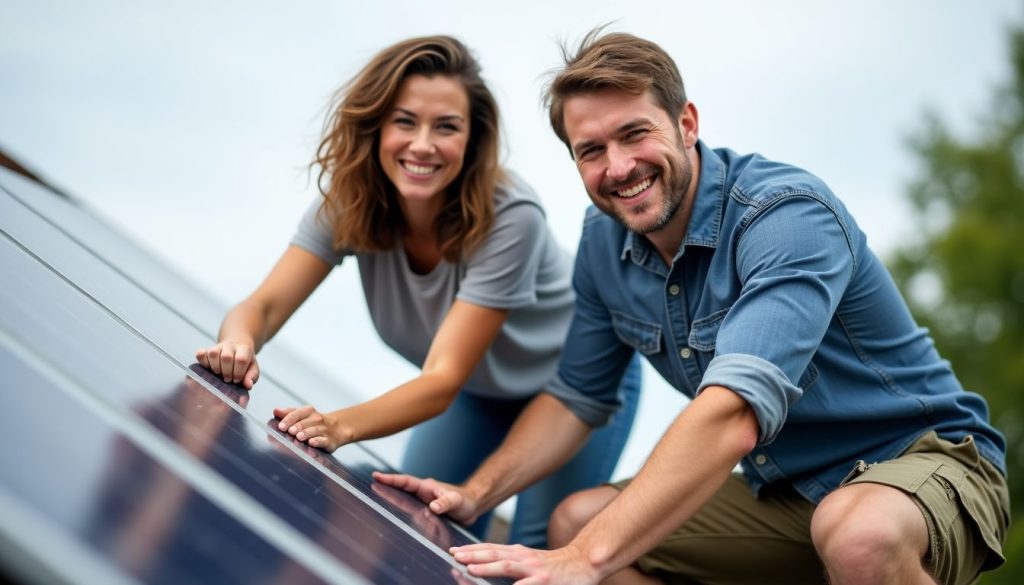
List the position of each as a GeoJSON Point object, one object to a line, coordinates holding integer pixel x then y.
{"type": "Point", "coordinates": [868, 527]}
{"type": "Point", "coordinates": [575, 512]}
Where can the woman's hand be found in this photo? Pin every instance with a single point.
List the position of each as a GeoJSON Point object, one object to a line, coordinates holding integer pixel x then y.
{"type": "Point", "coordinates": [233, 361]}
{"type": "Point", "coordinates": [307, 424]}
{"type": "Point", "coordinates": [440, 497]}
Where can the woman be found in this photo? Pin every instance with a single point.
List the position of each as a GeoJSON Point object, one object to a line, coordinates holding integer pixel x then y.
{"type": "Point", "coordinates": [460, 272]}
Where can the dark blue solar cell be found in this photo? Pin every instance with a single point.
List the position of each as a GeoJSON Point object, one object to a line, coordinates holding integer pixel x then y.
{"type": "Point", "coordinates": [50, 316]}
{"type": "Point", "coordinates": [133, 513]}
{"type": "Point", "coordinates": [157, 301]}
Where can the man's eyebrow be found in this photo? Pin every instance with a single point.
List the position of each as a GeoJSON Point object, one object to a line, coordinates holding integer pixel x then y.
{"type": "Point", "coordinates": [633, 124]}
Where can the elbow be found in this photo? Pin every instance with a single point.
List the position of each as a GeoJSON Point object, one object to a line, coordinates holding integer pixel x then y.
{"type": "Point", "coordinates": [748, 431]}
{"type": "Point", "coordinates": [745, 430]}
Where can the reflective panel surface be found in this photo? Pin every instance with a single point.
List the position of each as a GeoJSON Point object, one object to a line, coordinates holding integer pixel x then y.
{"type": "Point", "coordinates": [161, 471]}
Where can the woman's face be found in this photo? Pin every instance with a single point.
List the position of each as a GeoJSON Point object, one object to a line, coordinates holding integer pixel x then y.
{"type": "Point", "coordinates": [424, 136]}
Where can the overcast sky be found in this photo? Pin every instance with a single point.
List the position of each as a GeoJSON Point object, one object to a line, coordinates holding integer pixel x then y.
{"type": "Point", "coordinates": [190, 124]}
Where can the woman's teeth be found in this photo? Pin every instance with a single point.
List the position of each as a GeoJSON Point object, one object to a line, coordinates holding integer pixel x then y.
{"type": "Point", "coordinates": [419, 169]}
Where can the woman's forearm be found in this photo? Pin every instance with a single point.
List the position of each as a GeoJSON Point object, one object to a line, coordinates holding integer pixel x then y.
{"type": "Point", "coordinates": [400, 408]}
{"type": "Point", "coordinates": [245, 323]}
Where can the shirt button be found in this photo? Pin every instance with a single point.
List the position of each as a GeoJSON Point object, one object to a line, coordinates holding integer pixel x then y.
{"type": "Point", "coordinates": [685, 353]}
{"type": "Point", "coordinates": [673, 290]}
{"type": "Point", "coordinates": [760, 460]}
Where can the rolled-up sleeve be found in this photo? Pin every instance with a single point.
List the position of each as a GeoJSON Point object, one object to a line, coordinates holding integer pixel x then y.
{"type": "Point", "coordinates": [794, 261]}
{"type": "Point", "coordinates": [765, 388]}
{"type": "Point", "coordinates": [593, 359]}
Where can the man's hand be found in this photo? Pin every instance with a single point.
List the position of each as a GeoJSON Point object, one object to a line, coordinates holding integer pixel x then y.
{"type": "Point", "coordinates": [567, 565]}
{"type": "Point", "coordinates": [440, 497]}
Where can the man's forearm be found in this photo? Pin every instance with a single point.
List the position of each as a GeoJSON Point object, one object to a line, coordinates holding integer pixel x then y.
{"type": "Point", "coordinates": [544, 437]}
{"type": "Point", "coordinates": [689, 464]}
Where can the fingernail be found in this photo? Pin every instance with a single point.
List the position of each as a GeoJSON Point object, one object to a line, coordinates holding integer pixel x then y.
{"type": "Point", "coordinates": [301, 436]}
{"type": "Point", "coordinates": [280, 427]}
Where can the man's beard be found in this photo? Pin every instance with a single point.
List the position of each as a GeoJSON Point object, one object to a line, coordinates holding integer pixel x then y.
{"type": "Point", "coordinates": [675, 179]}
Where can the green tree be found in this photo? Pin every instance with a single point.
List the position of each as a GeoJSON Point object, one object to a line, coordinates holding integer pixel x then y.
{"type": "Point", "coordinates": [964, 274]}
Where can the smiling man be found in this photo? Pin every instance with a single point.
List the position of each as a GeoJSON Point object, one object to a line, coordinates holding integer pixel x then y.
{"type": "Point", "coordinates": [748, 285]}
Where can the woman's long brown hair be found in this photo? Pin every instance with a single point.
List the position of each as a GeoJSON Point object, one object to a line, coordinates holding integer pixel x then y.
{"type": "Point", "coordinates": [358, 197]}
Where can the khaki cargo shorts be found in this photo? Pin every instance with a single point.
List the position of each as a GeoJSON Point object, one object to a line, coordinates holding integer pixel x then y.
{"type": "Point", "coordinates": [737, 538]}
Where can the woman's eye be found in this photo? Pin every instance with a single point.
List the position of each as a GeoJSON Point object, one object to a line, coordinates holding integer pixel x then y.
{"type": "Point", "coordinates": [403, 122]}
{"type": "Point", "coordinates": [448, 127]}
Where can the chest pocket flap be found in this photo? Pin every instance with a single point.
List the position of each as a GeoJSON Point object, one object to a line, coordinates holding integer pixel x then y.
{"type": "Point", "coordinates": [640, 335]}
{"type": "Point", "coordinates": [704, 331]}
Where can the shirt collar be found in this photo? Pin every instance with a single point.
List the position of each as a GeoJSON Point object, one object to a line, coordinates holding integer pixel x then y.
{"type": "Point", "coordinates": [706, 217]}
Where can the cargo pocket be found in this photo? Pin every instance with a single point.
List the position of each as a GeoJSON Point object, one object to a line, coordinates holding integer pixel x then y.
{"type": "Point", "coordinates": [981, 518]}
{"type": "Point", "coordinates": [640, 335]}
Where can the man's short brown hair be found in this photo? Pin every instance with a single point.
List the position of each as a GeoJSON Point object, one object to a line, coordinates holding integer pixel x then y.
{"type": "Point", "coordinates": [614, 61]}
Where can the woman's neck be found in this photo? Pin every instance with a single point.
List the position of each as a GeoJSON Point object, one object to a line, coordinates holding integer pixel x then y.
{"type": "Point", "coordinates": [421, 217]}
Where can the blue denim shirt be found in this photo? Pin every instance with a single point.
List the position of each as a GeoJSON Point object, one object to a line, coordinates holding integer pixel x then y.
{"type": "Point", "coordinates": [775, 295]}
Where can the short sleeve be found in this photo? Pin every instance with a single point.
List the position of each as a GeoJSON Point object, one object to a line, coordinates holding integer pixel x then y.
{"type": "Point", "coordinates": [502, 272]}
{"type": "Point", "coordinates": [315, 234]}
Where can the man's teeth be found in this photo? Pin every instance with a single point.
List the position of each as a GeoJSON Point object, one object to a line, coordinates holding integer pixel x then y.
{"type": "Point", "coordinates": [635, 189]}
{"type": "Point", "coordinates": [420, 169]}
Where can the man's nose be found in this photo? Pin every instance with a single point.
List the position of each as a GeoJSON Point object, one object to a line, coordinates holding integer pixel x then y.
{"type": "Point", "coordinates": [620, 163]}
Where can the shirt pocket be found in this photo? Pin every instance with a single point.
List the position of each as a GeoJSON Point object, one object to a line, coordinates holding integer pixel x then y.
{"type": "Point", "coordinates": [704, 337]}
{"type": "Point", "coordinates": [704, 331]}
{"type": "Point", "coordinates": [639, 334]}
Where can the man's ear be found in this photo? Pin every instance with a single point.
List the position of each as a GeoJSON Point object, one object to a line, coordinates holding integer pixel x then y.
{"type": "Point", "coordinates": [689, 125]}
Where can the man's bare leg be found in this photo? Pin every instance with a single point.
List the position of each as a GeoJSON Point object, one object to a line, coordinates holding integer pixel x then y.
{"type": "Point", "coordinates": [871, 533]}
{"type": "Point", "coordinates": [573, 514]}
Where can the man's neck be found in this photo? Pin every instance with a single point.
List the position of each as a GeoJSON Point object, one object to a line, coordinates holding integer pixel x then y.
{"type": "Point", "coordinates": [668, 239]}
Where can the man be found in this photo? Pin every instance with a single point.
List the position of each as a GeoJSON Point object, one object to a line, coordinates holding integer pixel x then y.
{"type": "Point", "coordinates": [748, 286]}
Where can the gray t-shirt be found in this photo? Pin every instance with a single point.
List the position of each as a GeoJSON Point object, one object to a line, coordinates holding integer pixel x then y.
{"type": "Point", "coordinates": [518, 267]}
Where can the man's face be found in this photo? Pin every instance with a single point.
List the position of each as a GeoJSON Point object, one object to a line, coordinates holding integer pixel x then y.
{"type": "Point", "coordinates": [631, 155]}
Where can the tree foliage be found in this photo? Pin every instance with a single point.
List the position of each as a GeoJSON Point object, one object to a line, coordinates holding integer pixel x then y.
{"type": "Point", "coordinates": [964, 274]}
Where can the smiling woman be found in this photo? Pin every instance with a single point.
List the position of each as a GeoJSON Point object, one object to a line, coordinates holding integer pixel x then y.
{"type": "Point", "coordinates": [461, 274]}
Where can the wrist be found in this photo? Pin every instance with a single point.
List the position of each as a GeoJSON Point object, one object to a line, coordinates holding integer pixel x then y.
{"type": "Point", "coordinates": [597, 557]}
{"type": "Point", "coordinates": [477, 491]}
{"type": "Point", "coordinates": [238, 340]}
{"type": "Point", "coordinates": [342, 433]}
{"type": "Point", "coordinates": [594, 568]}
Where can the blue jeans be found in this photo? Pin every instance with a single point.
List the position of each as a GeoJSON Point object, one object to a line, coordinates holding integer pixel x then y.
{"type": "Point", "coordinates": [451, 446]}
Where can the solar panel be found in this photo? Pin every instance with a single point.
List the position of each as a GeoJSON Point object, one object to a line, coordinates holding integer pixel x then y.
{"type": "Point", "coordinates": [93, 353]}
